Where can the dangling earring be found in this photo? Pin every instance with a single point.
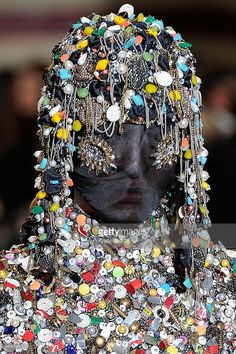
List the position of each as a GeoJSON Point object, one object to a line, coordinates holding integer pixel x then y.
{"type": "Point", "coordinates": [165, 153]}
{"type": "Point", "coordinates": [96, 154]}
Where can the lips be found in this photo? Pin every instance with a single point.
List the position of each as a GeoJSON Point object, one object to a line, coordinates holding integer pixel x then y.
{"type": "Point", "coordinates": [132, 195]}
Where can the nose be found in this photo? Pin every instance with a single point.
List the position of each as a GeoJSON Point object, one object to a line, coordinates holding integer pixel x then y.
{"type": "Point", "coordinates": [133, 163]}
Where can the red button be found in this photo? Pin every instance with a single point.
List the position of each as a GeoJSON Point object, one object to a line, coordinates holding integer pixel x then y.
{"type": "Point", "coordinates": [28, 336]}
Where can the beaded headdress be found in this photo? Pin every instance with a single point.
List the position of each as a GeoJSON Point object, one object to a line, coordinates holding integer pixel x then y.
{"type": "Point", "coordinates": [109, 71]}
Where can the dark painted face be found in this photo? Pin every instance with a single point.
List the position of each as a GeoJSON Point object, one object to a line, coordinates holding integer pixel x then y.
{"type": "Point", "coordinates": [132, 191]}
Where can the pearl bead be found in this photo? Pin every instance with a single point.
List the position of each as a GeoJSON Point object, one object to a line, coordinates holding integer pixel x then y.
{"type": "Point", "coordinates": [183, 123]}
{"type": "Point", "coordinates": [53, 163]}
{"type": "Point", "coordinates": [59, 222]}
{"type": "Point", "coordinates": [130, 93]}
{"type": "Point", "coordinates": [121, 69]}
{"type": "Point", "coordinates": [56, 198]}
{"type": "Point", "coordinates": [122, 54]}
{"type": "Point", "coordinates": [41, 230]}
{"type": "Point", "coordinates": [68, 65]}
{"type": "Point", "coordinates": [205, 175]}
{"type": "Point", "coordinates": [68, 89]}
{"type": "Point", "coordinates": [127, 103]}
{"type": "Point", "coordinates": [100, 99]}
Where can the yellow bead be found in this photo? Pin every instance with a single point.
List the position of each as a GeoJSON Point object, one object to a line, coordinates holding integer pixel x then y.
{"type": "Point", "coordinates": [54, 207]}
{"type": "Point", "coordinates": [101, 64]}
{"type": "Point", "coordinates": [82, 44]}
{"type": "Point", "coordinates": [41, 195]}
{"type": "Point", "coordinates": [151, 88]}
{"type": "Point", "coordinates": [152, 32]}
{"type": "Point", "coordinates": [172, 350]}
{"type": "Point", "coordinates": [108, 265]}
{"type": "Point", "coordinates": [153, 292]}
{"type": "Point", "coordinates": [78, 250]}
{"type": "Point", "coordinates": [190, 321]}
{"type": "Point", "coordinates": [84, 289]}
{"type": "Point", "coordinates": [59, 301]}
{"type": "Point", "coordinates": [194, 80]}
{"type": "Point", "coordinates": [77, 125]}
{"type": "Point", "coordinates": [225, 263]}
{"type": "Point", "coordinates": [140, 17]}
{"type": "Point", "coordinates": [205, 185]}
{"type": "Point", "coordinates": [3, 274]}
{"type": "Point", "coordinates": [175, 95]}
{"type": "Point", "coordinates": [88, 30]}
{"type": "Point", "coordinates": [188, 154]}
{"type": "Point", "coordinates": [56, 118]}
{"type": "Point", "coordinates": [102, 305]}
{"type": "Point", "coordinates": [119, 20]}
{"type": "Point", "coordinates": [156, 252]}
{"type": "Point", "coordinates": [62, 133]}
{"type": "Point", "coordinates": [122, 329]}
{"type": "Point", "coordinates": [95, 230]}
{"type": "Point", "coordinates": [206, 264]}
{"type": "Point", "coordinates": [203, 210]}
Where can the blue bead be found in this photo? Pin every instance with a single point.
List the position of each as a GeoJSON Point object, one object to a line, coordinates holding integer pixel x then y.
{"type": "Point", "coordinates": [66, 227]}
{"type": "Point", "coordinates": [55, 181]}
{"type": "Point", "coordinates": [166, 287]}
{"type": "Point", "coordinates": [9, 330]}
{"type": "Point", "coordinates": [189, 201]}
{"type": "Point", "coordinates": [187, 283]}
{"type": "Point", "coordinates": [183, 67]}
{"type": "Point", "coordinates": [129, 43]}
{"type": "Point", "coordinates": [64, 74]}
{"type": "Point", "coordinates": [43, 163]}
{"type": "Point", "coordinates": [76, 25]}
{"type": "Point", "coordinates": [177, 37]}
{"type": "Point", "coordinates": [159, 24]}
{"type": "Point", "coordinates": [138, 100]}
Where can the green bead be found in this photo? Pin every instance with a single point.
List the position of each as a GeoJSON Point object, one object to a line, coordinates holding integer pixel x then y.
{"type": "Point", "coordinates": [204, 243]}
{"type": "Point", "coordinates": [37, 209]}
{"type": "Point", "coordinates": [118, 272]}
{"type": "Point", "coordinates": [129, 30]}
{"type": "Point", "coordinates": [43, 237]}
{"type": "Point", "coordinates": [95, 320]}
{"type": "Point", "coordinates": [31, 246]}
{"type": "Point", "coordinates": [150, 19]}
{"type": "Point", "coordinates": [57, 56]}
{"type": "Point", "coordinates": [46, 101]}
{"type": "Point", "coordinates": [96, 18]}
{"type": "Point", "coordinates": [101, 31]}
{"type": "Point", "coordinates": [147, 56]}
{"type": "Point", "coordinates": [37, 327]}
{"type": "Point", "coordinates": [185, 45]}
{"type": "Point", "coordinates": [83, 92]}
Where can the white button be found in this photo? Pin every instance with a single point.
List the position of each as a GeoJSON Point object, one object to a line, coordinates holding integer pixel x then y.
{"type": "Point", "coordinates": [113, 113]}
{"type": "Point", "coordinates": [94, 289]}
{"type": "Point", "coordinates": [120, 291]}
{"type": "Point", "coordinates": [163, 78]}
{"type": "Point", "coordinates": [84, 320]}
{"type": "Point", "coordinates": [86, 253]}
{"type": "Point", "coordinates": [44, 304]}
{"type": "Point", "coordinates": [11, 314]}
{"type": "Point", "coordinates": [27, 305]}
{"type": "Point", "coordinates": [202, 340]}
{"type": "Point", "coordinates": [154, 350]}
{"type": "Point", "coordinates": [45, 335]}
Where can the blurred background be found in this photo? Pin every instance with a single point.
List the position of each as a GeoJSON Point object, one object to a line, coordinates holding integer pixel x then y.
{"type": "Point", "coordinates": [29, 30]}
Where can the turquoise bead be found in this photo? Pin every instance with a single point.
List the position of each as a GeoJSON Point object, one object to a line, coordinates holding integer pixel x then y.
{"type": "Point", "coordinates": [64, 74]}
{"type": "Point", "coordinates": [138, 100]}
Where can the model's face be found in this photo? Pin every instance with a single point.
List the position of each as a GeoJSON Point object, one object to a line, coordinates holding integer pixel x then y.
{"type": "Point", "coordinates": [132, 191]}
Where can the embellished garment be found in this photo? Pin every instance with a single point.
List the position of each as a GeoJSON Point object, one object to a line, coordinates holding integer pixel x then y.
{"type": "Point", "coordinates": [97, 291]}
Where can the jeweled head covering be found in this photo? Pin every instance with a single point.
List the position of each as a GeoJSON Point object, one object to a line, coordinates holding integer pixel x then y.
{"type": "Point", "coordinates": [109, 71]}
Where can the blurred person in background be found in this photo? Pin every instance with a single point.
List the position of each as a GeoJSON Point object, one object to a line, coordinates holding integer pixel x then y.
{"type": "Point", "coordinates": [219, 125]}
{"type": "Point", "coordinates": [17, 131]}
